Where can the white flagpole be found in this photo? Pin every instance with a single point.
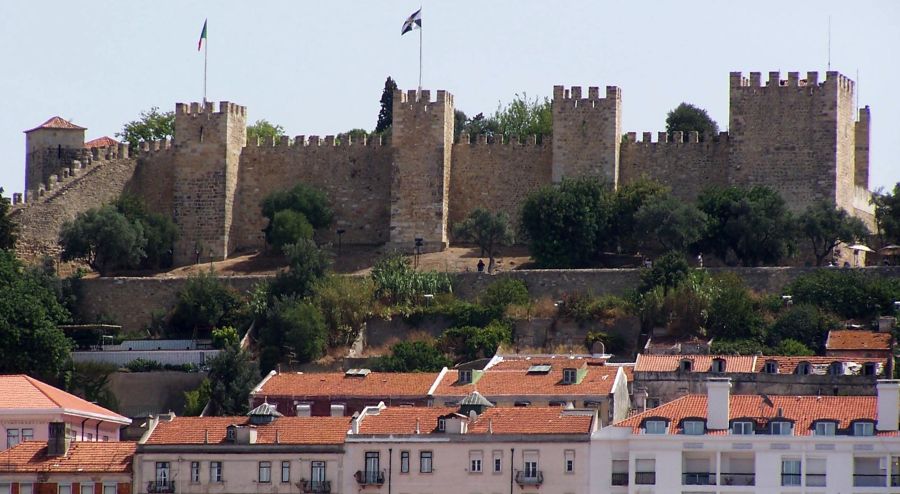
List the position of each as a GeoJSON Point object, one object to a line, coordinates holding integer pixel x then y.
{"type": "Point", "coordinates": [420, 51]}
{"type": "Point", "coordinates": [205, 59]}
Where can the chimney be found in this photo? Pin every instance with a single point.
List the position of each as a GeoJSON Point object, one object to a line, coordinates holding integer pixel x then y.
{"type": "Point", "coordinates": [718, 402]}
{"type": "Point", "coordinates": [58, 439]}
{"type": "Point", "coordinates": [888, 408]}
{"type": "Point", "coordinates": [640, 398]}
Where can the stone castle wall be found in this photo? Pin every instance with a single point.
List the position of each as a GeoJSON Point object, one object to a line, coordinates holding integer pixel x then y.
{"type": "Point", "coordinates": [586, 133]}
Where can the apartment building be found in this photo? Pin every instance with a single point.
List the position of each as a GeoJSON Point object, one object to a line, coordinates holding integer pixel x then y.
{"type": "Point", "coordinates": [473, 449]}
{"type": "Point", "coordinates": [725, 443]}
{"type": "Point", "coordinates": [262, 452]}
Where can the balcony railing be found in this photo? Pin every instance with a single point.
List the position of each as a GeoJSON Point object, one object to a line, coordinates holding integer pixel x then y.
{"type": "Point", "coordinates": [619, 478]}
{"type": "Point", "coordinates": [791, 479]}
{"type": "Point", "coordinates": [166, 487]}
{"type": "Point", "coordinates": [315, 486]}
{"type": "Point", "coordinates": [815, 480]}
{"type": "Point", "coordinates": [645, 478]}
{"type": "Point", "coordinates": [738, 479]}
{"type": "Point", "coordinates": [370, 477]}
{"type": "Point", "coordinates": [529, 478]}
{"type": "Point", "coordinates": [698, 478]}
{"type": "Point", "coordinates": [869, 480]}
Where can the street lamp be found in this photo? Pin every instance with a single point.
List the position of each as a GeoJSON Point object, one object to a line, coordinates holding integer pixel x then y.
{"type": "Point", "coordinates": [419, 244]}
{"type": "Point", "coordinates": [340, 234]}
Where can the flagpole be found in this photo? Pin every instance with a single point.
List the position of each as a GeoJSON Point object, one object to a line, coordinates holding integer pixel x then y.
{"type": "Point", "coordinates": [420, 53]}
{"type": "Point", "coordinates": [205, 59]}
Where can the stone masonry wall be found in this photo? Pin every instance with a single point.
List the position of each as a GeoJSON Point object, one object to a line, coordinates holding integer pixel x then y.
{"type": "Point", "coordinates": [497, 177]}
{"type": "Point", "coordinates": [154, 177]}
{"type": "Point", "coordinates": [586, 133]}
{"type": "Point", "coordinates": [354, 174]}
{"type": "Point", "coordinates": [686, 167]}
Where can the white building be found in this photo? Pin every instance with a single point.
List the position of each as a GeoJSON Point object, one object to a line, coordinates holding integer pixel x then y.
{"type": "Point", "coordinates": [723, 443]}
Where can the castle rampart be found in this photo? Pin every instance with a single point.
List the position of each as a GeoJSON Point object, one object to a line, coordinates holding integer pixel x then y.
{"type": "Point", "coordinates": [797, 135]}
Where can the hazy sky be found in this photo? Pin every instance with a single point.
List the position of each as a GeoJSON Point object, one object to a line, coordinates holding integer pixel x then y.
{"type": "Point", "coordinates": [319, 67]}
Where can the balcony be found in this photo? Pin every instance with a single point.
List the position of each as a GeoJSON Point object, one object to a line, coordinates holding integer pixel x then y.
{"type": "Point", "coordinates": [369, 477]}
{"type": "Point", "coordinates": [645, 478]}
{"type": "Point", "coordinates": [619, 478]}
{"type": "Point", "coordinates": [815, 480]}
{"type": "Point", "coordinates": [529, 478]}
{"type": "Point", "coordinates": [160, 487]}
{"type": "Point", "coordinates": [738, 479]}
{"type": "Point", "coordinates": [315, 486]}
{"type": "Point", "coordinates": [869, 480]}
{"type": "Point", "coordinates": [698, 478]}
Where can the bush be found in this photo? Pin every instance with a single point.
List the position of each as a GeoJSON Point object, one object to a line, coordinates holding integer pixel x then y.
{"type": "Point", "coordinates": [302, 198]}
{"type": "Point", "coordinates": [302, 327]}
{"type": "Point", "coordinates": [345, 303]}
{"type": "Point", "coordinates": [289, 227]}
{"type": "Point", "coordinates": [195, 400]}
{"type": "Point", "coordinates": [471, 343]}
{"type": "Point", "coordinates": [143, 365]}
{"type": "Point", "coordinates": [206, 303]}
{"type": "Point", "coordinates": [104, 238]}
{"type": "Point", "coordinates": [668, 271]}
{"type": "Point", "coordinates": [585, 307]}
{"type": "Point", "coordinates": [413, 356]}
{"type": "Point", "coordinates": [737, 347]}
{"type": "Point", "coordinates": [224, 337]}
{"type": "Point", "coordinates": [505, 292]}
{"type": "Point", "coordinates": [307, 264]}
{"type": "Point", "coordinates": [804, 323]}
{"type": "Point", "coordinates": [733, 310]}
{"type": "Point", "coordinates": [848, 293]}
{"type": "Point", "coordinates": [792, 347]}
{"type": "Point", "coordinates": [683, 310]}
{"type": "Point", "coordinates": [397, 283]}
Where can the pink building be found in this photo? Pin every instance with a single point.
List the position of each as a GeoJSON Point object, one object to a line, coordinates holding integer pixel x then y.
{"type": "Point", "coordinates": [28, 406]}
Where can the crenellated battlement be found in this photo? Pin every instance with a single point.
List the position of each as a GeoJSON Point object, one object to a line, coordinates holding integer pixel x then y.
{"type": "Point", "coordinates": [677, 137]}
{"type": "Point", "coordinates": [833, 78]}
{"type": "Point", "coordinates": [572, 97]}
{"type": "Point", "coordinates": [301, 142]}
{"type": "Point", "coordinates": [414, 98]}
{"type": "Point", "coordinates": [498, 140]}
{"type": "Point", "coordinates": [210, 108]}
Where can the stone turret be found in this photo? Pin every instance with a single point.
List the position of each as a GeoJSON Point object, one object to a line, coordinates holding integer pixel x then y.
{"type": "Point", "coordinates": [49, 147]}
{"type": "Point", "coordinates": [586, 133]}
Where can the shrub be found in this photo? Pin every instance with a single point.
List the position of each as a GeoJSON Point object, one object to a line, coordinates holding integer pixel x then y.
{"type": "Point", "coordinates": [345, 303]}
{"type": "Point", "coordinates": [792, 347]}
{"type": "Point", "coordinates": [505, 292]}
{"type": "Point", "coordinates": [302, 198]}
{"type": "Point", "coordinates": [204, 303]}
{"type": "Point", "coordinates": [413, 356]}
{"type": "Point", "coordinates": [733, 310]}
{"type": "Point", "coordinates": [288, 227]}
{"type": "Point", "coordinates": [397, 283]}
{"type": "Point", "coordinates": [302, 327]}
{"type": "Point", "coordinates": [307, 264]}
{"type": "Point", "coordinates": [803, 323]}
{"type": "Point", "coordinates": [736, 347]}
{"type": "Point", "coordinates": [668, 271]}
{"type": "Point", "coordinates": [470, 342]}
{"type": "Point", "coordinates": [848, 293]}
{"type": "Point", "coordinates": [104, 238]}
{"type": "Point", "coordinates": [143, 365]}
{"type": "Point", "coordinates": [585, 307]}
{"type": "Point", "coordinates": [224, 337]}
{"type": "Point", "coordinates": [195, 400]}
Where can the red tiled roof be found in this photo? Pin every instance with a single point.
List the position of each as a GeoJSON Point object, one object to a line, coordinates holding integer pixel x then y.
{"type": "Point", "coordinates": [57, 122]}
{"type": "Point", "coordinates": [701, 363]}
{"type": "Point", "coordinates": [101, 142]}
{"type": "Point", "coordinates": [82, 457]}
{"type": "Point", "coordinates": [857, 340]}
{"type": "Point", "coordinates": [500, 420]}
{"type": "Point", "coordinates": [289, 430]}
{"type": "Point", "coordinates": [519, 382]}
{"type": "Point", "coordinates": [336, 384]}
{"type": "Point", "coordinates": [802, 410]}
{"type": "Point", "coordinates": [788, 365]}
{"type": "Point", "coordinates": [21, 392]}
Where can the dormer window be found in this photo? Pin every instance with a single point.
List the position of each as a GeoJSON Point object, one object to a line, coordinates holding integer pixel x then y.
{"type": "Point", "coordinates": [781, 428]}
{"type": "Point", "coordinates": [771, 367]}
{"type": "Point", "coordinates": [718, 365]}
{"type": "Point", "coordinates": [570, 375]}
{"type": "Point", "coordinates": [863, 429]}
{"type": "Point", "coordinates": [693, 427]}
{"type": "Point", "coordinates": [231, 433]}
{"type": "Point", "coordinates": [869, 369]}
{"type": "Point", "coordinates": [825, 428]}
{"type": "Point", "coordinates": [803, 368]}
{"type": "Point", "coordinates": [442, 424]}
{"type": "Point", "coordinates": [465, 377]}
{"type": "Point", "coordinates": [742, 428]}
{"type": "Point", "coordinates": [836, 369]}
{"type": "Point", "coordinates": [655, 427]}
{"type": "Point", "coordinates": [686, 365]}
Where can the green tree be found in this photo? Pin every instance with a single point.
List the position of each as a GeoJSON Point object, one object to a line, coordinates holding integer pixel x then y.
{"type": "Point", "coordinates": [345, 302]}
{"type": "Point", "coordinates": [850, 294]}
{"type": "Point", "coordinates": [232, 375]}
{"type": "Point", "coordinates": [752, 224]}
{"type": "Point", "coordinates": [470, 342]}
{"type": "Point", "coordinates": [670, 223]}
{"type": "Point", "coordinates": [302, 198]}
{"type": "Point", "coordinates": [159, 230]}
{"type": "Point", "coordinates": [90, 380]}
{"type": "Point", "coordinates": [826, 225]}
{"type": "Point", "coordinates": [8, 228]}
{"type": "Point", "coordinates": [265, 132]}
{"type": "Point", "coordinates": [150, 126]}
{"type": "Point", "coordinates": [805, 323]}
{"type": "Point", "coordinates": [204, 303]}
{"type": "Point", "coordinates": [195, 400]}
{"type": "Point", "coordinates": [523, 117]}
{"type": "Point", "coordinates": [667, 272]}
{"type": "Point", "coordinates": [791, 347]}
{"type": "Point", "coordinates": [887, 214]}
{"type": "Point", "coordinates": [104, 238]}
{"type": "Point", "coordinates": [224, 337]}
{"type": "Point", "coordinates": [477, 125]}
{"type": "Point", "coordinates": [626, 202]}
{"type": "Point", "coordinates": [30, 340]}
{"type": "Point", "coordinates": [289, 227]}
{"type": "Point", "coordinates": [687, 117]}
{"type": "Point", "coordinates": [386, 114]}
{"type": "Point", "coordinates": [302, 327]}
{"type": "Point", "coordinates": [413, 356]}
{"type": "Point", "coordinates": [566, 225]}
{"type": "Point", "coordinates": [354, 135]}
{"type": "Point", "coordinates": [502, 293]}
{"type": "Point", "coordinates": [486, 230]}
{"type": "Point", "coordinates": [306, 264]}
{"type": "Point", "coordinates": [733, 311]}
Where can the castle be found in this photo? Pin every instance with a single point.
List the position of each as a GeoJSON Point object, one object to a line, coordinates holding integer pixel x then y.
{"type": "Point", "coordinates": [798, 136]}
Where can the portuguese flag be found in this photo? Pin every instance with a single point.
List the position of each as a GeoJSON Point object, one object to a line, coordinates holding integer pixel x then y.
{"type": "Point", "coordinates": [202, 36]}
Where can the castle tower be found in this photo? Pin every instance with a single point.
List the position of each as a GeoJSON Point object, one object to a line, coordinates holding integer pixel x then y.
{"type": "Point", "coordinates": [796, 136]}
{"type": "Point", "coordinates": [586, 133]}
{"type": "Point", "coordinates": [422, 138]}
{"type": "Point", "coordinates": [862, 147]}
{"type": "Point", "coordinates": [48, 148]}
{"type": "Point", "coordinates": [208, 146]}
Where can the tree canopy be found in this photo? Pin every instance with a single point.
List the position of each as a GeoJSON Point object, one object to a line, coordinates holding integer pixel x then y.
{"type": "Point", "coordinates": [687, 117]}
{"type": "Point", "coordinates": [151, 125]}
{"type": "Point", "coordinates": [824, 225]}
{"type": "Point", "coordinates": [386, 113]}
{"type": "Point", "coordinates": [104, 238]}
{"type": "Point", "coordinates": [413, 356]}
{"type": "Point", "coordinates": [887, 214]}
{"type": "Point", "coordinates": [312, 203]}
{"type": "Point", "coordinates": [487, 230]}
{"type": "Point", "coordinates": [264, 131]}
{"type": "Point", "coordinates": [672, 224]}
{"type": "Point", "coordinates": [232, 375]}
{"type": "Point", "coordinates": [8, 228]}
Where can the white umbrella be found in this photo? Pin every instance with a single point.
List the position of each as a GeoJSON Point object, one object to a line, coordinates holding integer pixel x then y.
{"type": "Point", "coordinates": [860, 247]}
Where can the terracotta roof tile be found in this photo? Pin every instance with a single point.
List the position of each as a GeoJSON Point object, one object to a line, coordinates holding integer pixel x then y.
{"type": "Point", "coordinates": [701, 363]}
{"type": "Point", "coordinates": [529, 420]}
{"type": "Point", "coordinates": [57, 122]}
{"type": "Point", "coordinates": [290, 430]}
{"type": "Point", "coordinates": [857, 340]}
{"type": "Point", "coordinates": [519, 382]}
{"type": "Point", "coordinates": [82, 457]}
{"type": "Point", "coordinates": [788, 365]}
{"type": "Point", "coordinates": [101, 142]}
{"type": "Point", "coordinates": [802, 410]}
{"type": "Point", "coordinates": [21, 392]}
{"type": "Point", "coordinates": [336, 384]}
